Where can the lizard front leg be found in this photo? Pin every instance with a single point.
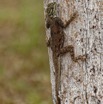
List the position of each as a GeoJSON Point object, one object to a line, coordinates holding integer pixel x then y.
{"type": "Point", "coordinates": [74, 16]}
{"type": "Point", "coordinates": [48, 43]}
{"type": "Point", "coordinates": [70, 49]}
{"type": "Point", "coordinates": [60, 22]}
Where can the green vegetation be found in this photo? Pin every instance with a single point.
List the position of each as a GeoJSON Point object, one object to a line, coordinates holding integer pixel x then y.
{"type": "Point", "coordinates": [24, 67]}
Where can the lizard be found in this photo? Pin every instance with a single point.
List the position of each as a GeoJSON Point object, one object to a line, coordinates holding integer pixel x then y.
{"type": "Point", "coordinates": [56, 42]}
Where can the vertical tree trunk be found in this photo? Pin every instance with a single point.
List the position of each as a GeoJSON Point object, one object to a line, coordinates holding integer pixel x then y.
{"type": "Point", "coordinates": [81, 82]}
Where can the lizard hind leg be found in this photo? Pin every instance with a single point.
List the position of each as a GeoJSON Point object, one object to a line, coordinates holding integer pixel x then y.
{"type": "Point", "coordinates": [66, 49]}
{"type": "Point", "coordinates": [70, 49]}
{"type": "Point", "coordinates": [80, 57]}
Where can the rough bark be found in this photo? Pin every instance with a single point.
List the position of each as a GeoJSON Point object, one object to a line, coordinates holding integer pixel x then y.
{"type": "Point", "coordinates": [82, 82]}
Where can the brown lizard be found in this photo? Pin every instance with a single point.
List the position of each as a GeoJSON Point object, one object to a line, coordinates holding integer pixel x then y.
{"type": "Point", "coordinates": [56, 42]}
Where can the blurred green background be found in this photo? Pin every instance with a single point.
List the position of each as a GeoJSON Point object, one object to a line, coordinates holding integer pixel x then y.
{"type": "Point", "coordinates": [24, 65]}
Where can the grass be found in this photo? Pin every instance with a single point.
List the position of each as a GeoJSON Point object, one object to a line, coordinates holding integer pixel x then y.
{"type": "Point", "coordinates": [24, 67]}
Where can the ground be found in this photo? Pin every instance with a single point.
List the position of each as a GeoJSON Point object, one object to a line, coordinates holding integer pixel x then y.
{"type": "Point", "coordinates": [24, 66]}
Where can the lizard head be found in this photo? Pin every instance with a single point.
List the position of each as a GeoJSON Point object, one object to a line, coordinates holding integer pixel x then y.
{"type": "Point", "coordinates": [51, 9]}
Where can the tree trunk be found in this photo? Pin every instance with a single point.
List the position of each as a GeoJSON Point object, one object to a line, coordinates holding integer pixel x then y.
{"type": "Point", "coordinates": [81, 82]}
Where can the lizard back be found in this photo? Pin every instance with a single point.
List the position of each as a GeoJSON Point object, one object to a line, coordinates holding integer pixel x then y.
{"type": "Point", "coordinates": [57, 35]}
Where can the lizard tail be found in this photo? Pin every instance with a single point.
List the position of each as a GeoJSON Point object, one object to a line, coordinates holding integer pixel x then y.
{"type": "Point", "coordinates": [57, 78]}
